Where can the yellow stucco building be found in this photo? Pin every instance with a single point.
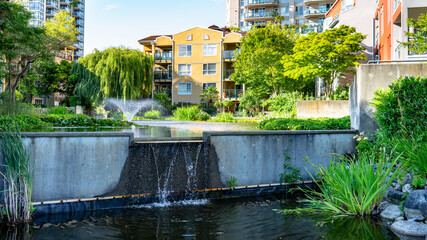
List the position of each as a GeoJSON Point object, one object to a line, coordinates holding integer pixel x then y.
{"type": "Point", "coordinates": [192, 60]}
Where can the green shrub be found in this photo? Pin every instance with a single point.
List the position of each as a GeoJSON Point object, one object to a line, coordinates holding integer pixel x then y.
{"type": "Point", "coordinates": [284, 104]}
{"type": "Point", "coordinates": [402, 107]}
{"type": "Point", "coordinates": [192, 113]}
{"type": "Point", "coordinates": [225, 117]}
{"type": "Point", "coordinates": [21, 122]}
{"type": "Point", "coordinates": [77, 120]}
{"type": "Point", "coordinates": [341, 93]}
{"type": "Point", "coordinates": [351, 186]}
{"type": "Point", "coordinates": [305, 124]}
{"type": "Point", "coordinates": [154, 114]}
{"type": "Point", "coordinates": [59, 110]}
{"type": "Point", "coordinates": [5, 96]}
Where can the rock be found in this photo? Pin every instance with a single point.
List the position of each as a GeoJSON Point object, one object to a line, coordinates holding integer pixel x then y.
{"type": "Point", "coordinates": [408, 178]}
{"type": "Point", "coordinates": [392, 212]}
{"type": "Point", "coordinates": [413, 204]}
{"type": "Point", "coordinates": [407, 188]}
{"type": "Point", "coordinates": [393, 196]}
{"type": "Point", "coordinates": [398, 187]}
{"type": "Point", "coordinates": [400, 219]}
{"type": "Point", "coordinates": [423, 209]}
{"type": "Point", "coordinates": [409, 228]}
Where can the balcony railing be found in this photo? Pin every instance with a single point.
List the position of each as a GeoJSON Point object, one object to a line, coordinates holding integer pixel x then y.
{"type": "Point", "coordinates": [65, 8]}
{"type": "Point", "coordinates": [80, 38]}
{"type": "Point", "coordinates": [80, 22]}
{"type": "Point", "coordinates": [80, 6]}
{"type": "Point", "coordinates": [261, 2]}
{"type": "Point", "coordinates": [232, 94]}
{"type": "Point", "coordinates": [65, 56]}
{"type": "Point", "coordinates": [81, 30]}
{"type": "Point", "coordinates": [229, 55]}
{"type": "Point", "coordinates": [66, 2]}
{"type": "Point", "coordinates": [51, 11]}
{"type": "Point", "coordinates": [162, 76]}
{"type": "Point", "coordinates": [79, 45]}
{"type": "Point", "coordinates": [315, 12]}
{"type": "Point", "coordinates": [79, 14]}
{"type": "Point", "coordinates": [266, 14]}
{"type": "Point", "coordinates": [227, 73]}
{"type": "Point", "coordinates": [52, 3]}
{"type": "Point", "coordinates": [318, 28]}
{"type": "Point", "coordinates": [164, 56]}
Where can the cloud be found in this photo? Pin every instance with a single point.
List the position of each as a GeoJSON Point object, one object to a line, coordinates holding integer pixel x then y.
{"type": "Point", "coordinates": [111, 6]}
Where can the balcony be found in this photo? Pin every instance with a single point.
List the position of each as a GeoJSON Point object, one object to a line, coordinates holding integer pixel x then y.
{"type": "Point", "coordinates": [260, 16]}
{"type": "Point", "coordinates": [52, 4]}
{"type": "Point", "coordinates": [80, 7]}
{"type": "Point", "coordinates": [80, 22]}
{"type": "Point", "coordinates": [227, 73]}
{"type": "Point", "coordinates": [318, 28]}
{"type": "Point", "coordinates": [233, 94]}
{"type": "Point", "coordinates": [315, 13]}
{"type": "Point", "coordinates": [79, 14]}
{"type": "Point", "coordinates": [80, 38]}
{"type": "Point", "coordinates": [163, 57]}
{"type": "Point", "coordinates": [79, 45]}
{"type": "Point", "coordinates": [65, 8]}
{"type": "Point", "coordinates": [51, 11]}
{"type": "Point", "coordinates": [310, 2]}
{"type": "Point", "coordinates": [261, 3]}
{"type": "Point", "coordinates": [162, 75]}
{"type": "Point", "coordinates": [229, 55]}
{"type": "Point", "coordinates": [65, 2]}
{"type": "Point", "coordinates": [81, 30]}
{"type": "Point", "coordinates": [65, 56]}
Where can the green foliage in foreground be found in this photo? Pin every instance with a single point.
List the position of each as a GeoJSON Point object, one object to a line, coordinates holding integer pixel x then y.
{"type": "Point", "coordinates": [351, 187]}
{"type": "Point", "coordinates": [75, 120]}
{"type": "Point", "coordinates": [305, 124]}
{"type": "Point", "coordinates": [402, 107]}
{"type": "Point", "coordinates": [224, 117]}
{"type": "Point", "coordinates": [192, 113]}
{"type": "Point", "coordinates": [22, 122]}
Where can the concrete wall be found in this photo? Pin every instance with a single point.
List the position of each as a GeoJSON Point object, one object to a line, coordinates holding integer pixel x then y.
{"type": "Point", "coordinates": [369, 79]}
{"type": "Point", "coordinates": [76, 165]}
{"type": "Point", "coordinates": [315, 109]}
{"type": "Point", "coordinates": [258, 157]}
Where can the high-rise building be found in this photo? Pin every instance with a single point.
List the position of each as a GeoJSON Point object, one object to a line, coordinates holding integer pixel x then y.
{"type": "Point", "coordinates": [247, 13]}
{"type": "Point", "coordinates": [43, 10]}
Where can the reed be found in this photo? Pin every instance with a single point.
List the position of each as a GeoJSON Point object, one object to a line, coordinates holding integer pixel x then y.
{"type": "Point", "coordinates": [17, 181]}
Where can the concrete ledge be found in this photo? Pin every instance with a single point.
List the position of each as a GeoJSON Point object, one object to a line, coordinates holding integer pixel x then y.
{"type": "Point", "coordinates": [207, 135]}
{"type": "Point", "coordinates": [167, 140]}
{"type": "Point", "coordinates": [325, 108]}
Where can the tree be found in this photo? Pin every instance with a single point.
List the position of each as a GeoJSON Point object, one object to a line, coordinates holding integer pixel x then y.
{"type": "Point", "coordinates": [258, 64]}
{"type": "Point", "coordinates": [61, 30]}
{"type": "Point", "coordinates": [119, 73]}
{"type": "Point", "coordinates": [21, 45]}
{"type": "Point", "coordinates": [326, 55]}
{"type": "Point", "coordinates": [209, 97]}
{"type": "Point", "coordinates": [417, 39]}
{"type": "Point", "coordinates": [66, 80]}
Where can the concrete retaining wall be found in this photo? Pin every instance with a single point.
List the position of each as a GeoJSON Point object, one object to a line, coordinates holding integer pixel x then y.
{"type": "Point", "coordinates": [258, 157]}
{"type": "Point", "coordinates": [315, 109]}
{"type": "Point", "coordinates": [76, 165]}
{"type": "Point", "coordinates": [369, 79]}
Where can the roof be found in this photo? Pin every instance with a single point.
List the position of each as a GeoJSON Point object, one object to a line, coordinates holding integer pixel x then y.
{"type": "Point", "coordinates": [153, 37]}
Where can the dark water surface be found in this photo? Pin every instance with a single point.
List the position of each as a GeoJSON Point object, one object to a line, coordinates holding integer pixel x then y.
{"type": "Point", "coordinates": [237, 219]}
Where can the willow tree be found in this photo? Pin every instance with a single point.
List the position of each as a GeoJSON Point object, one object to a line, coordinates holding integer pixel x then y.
{"type": "Point", "coordinates": [119, 73]}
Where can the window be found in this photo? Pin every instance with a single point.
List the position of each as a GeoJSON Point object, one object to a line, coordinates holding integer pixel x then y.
{"type": "Point", "coordinates": [209, 50]}
{"type": "Point", "coordinates": [209, 69]}
{"type": "Point", "coordinates": [285, 11]}
{"type": "Point", "coordinates": [208, 85]}
{"type": "Point", "coordinates": [189, 37]}
{"type": "Point", "coordinates": [38, 101]}
{"type": "Point", "coordinates": [184, 50]}
{"type": "Point", "coordinates": [206, 37]}
{"type": "Point", "coordinates": [184, 88]}
{"type": "Point", "coordinates": [299, 10]}
{"type": "Point", "coordinates": [184, 69]}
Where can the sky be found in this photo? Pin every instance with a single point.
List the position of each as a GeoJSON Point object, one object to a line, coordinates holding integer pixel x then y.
{"type": "Point", "coordinates": [113, 23]}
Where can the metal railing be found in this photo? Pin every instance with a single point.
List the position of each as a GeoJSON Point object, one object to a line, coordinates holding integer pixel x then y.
{"type": "Point", "coordinates": [315, 11]}
{"type": "Point", "coordinates": [232, 94]}
{"type": "Point", "coordinates": [52, 3]}
{"type": "Point", "coordinates": [227, 73]}
{"type": "Point", "coordinates": [261, 2]}
{"type": "Point", "coordinates": [65, 1]}
{"type": "Point", "coordinates": [162, 75]}
{"type": "Point", "coordinates": [51, 11]}
{"type": "Point", "coordinates": [229, 55]}
{"type": "Point", "coordinates": [266, 14]}
{"type": "Point", "coordinates": [164, 56]}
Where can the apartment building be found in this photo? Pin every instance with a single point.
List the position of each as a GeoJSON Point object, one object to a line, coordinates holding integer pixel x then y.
{"type": "Point", "coordinates": [43, 10]}
{"type": "Point", "coordinates": [247, 13]}
{"type": "Point", "coordinates": [383, 21]}
{"type": "Point", "coordinates": [193, 60]}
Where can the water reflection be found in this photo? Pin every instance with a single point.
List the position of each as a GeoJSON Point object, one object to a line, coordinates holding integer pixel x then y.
{"type": "Point", "coordinates": [19, 232]}
{"type": "Point", "coordinates": [235, 219]}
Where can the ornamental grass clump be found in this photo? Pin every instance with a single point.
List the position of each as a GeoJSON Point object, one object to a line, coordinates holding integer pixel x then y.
{"type": "Point", "coordinates": [351, 186]}
{"type": "Point", "coordinates": [17, 179]}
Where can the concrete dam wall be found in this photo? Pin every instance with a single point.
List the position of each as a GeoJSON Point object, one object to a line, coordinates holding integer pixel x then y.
{"type": "Point", "coordinates": [87, 165]}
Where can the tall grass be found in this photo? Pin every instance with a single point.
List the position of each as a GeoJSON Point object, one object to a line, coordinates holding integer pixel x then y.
{"type": "Point", "coordinates": [17, 176]}
{"type": "Point", "coordinates": [192, 113]}
{"type": "Point", "coordinates": [351, 187]}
